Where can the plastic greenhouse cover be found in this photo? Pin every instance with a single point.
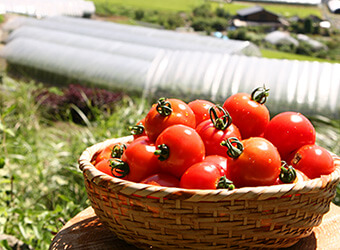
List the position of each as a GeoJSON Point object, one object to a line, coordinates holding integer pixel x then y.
{"type": "Point", "coordinates": [309, 87]}
{"type": "Point", "coordinates": [83, 64]}
{"type": "Point", "coordinates": [86, 42]}
{"type": "Point", "coordinates": [206, 41]}
{"type": "Point", "coordinates": [280, 37]}
{"type": "Point", "coordinates": [42, 8]}
{"type": "Point", "coordinates": [106, 30]}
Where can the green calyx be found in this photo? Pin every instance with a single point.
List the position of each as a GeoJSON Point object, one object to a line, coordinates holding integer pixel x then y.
{"type": "Point", "coordinates": [260, 95]}
{"type": "Point", "coordinates": [288, 173]}
{"type": "Point", "coordinates": [225, 183]}
{"type": "Point", "coordinates": [162, 152]}
{"type": "Point", "coordinates": [163, 107]}
{"type": "Point", "coordinates": [119, 168]}
{"type": "Point", "coordinates": [220, 123]}
{"type": "Point", "coordinates": [234, 146]}
{"type": "Point", "coordinates": [118, 150]}
{"type": "Point", "coordinates": [137, 129]}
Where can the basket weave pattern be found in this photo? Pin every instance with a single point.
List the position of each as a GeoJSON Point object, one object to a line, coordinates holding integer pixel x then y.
{"type": "Point", "coordinates": [174, 218]}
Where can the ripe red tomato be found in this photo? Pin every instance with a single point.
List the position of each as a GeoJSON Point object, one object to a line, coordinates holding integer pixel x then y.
{"type": "Point", "coordinates": [289, 131]}
{"type": "Point", "coordinates": [179, 147]}
{"type": "Point", "coordinates": [201, 110]}
{"type": "Point", "coordinates": [114, 150]}
{"type": "Point", "coordinates": [313, 161]}
{"type": "Point", "coordinates": [140, 158]}
{"type": "Point", "coordinates": [289, 174]}
{"type": "Point", "coordinates": [107, 166]}
{"type": "Point", "coordinates": [104, 166]}
{"type": "Point", "coordinates": [218, 160]}
{"type": "Point", "coordinates": [138, 130]}
{"type": "Point", "coordinates": [162, 179]}
{"type": "Point", "coordinates": [254, 162]}
{"type": "Point", "coordinates": [165, 113]}
{"type": "Point", "coordinates": [215, 130]}
{"type": "Point", "coordinates": [248, 112]}
{"type": "Point", "coordinates": [202, 175]}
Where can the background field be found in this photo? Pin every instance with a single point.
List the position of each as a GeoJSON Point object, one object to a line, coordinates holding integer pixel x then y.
{"type": "Point", "coordinates": [188, 5]}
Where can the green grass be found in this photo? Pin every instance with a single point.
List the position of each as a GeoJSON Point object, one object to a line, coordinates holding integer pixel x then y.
{"type": "Point", "coordinates": [189, 5]}
{"type": "Point", "coordinates": [170, 5]}
{"type": "Point", "coordinates": [285, 10]}
{"type": "Point", "coordinates": [293, 10]}
{"type": "Point", "coordinates": [284, 55]}
{"type": "Point", "coordinates": [40, 184]}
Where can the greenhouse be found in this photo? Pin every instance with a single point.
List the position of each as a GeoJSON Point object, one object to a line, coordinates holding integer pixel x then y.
{"type": "Point", "coordinates": [137, 35]}
{"type": "Point", "coordinates": [45, 8]}
{"type": "Point", "coordinates": [159, 62]}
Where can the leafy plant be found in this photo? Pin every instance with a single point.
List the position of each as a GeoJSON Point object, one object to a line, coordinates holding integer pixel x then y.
{"type": "Point", "coordinates": [76, 98]}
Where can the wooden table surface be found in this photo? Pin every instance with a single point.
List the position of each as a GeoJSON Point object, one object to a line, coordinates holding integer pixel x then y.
{"type": "Point", "coordinates": [85, 231]}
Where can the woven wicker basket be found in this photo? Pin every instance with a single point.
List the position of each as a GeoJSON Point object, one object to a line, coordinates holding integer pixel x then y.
{"type": "Point", "coordinates": [174, 218]}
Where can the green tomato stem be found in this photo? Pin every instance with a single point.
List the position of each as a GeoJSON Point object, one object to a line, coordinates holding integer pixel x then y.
{"type": "Point", "coordinates": [261, 97]}
{"type": "Point", "coordinates": [225, 183]}
{"type": "Point", "coordinates": [137, 129]}
{"type": "Point", "coordinates": [163, 107]}
{"type": "Point", "coordinates": [118, 150]}
{"type": "Point", "coordinates": [288, 173]}
{"type": "Point", "coordinates": [220, 123]}
{"type": "Point", "coordinates": [120, 167]}
{"type": "Point", "coordinates": [163, 152]}
{"type": "Point", "coordinates": [233, 151]}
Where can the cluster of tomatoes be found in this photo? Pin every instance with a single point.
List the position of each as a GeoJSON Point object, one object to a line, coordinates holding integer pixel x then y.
{"type": "Point", "coordinates": [200, 145]}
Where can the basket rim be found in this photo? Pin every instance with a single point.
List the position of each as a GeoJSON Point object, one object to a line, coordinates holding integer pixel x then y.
{"type": "Point", "coordinates": [245, 193]}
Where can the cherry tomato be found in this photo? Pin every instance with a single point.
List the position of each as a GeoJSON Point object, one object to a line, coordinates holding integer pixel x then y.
{"type": "Point", "coordinates": [162, 179]}
{"type": "Point", "coordinates": [201, 110]}
{"type": "Point", "coordinates": [202, 175]}
{"type": "Point", "coordinates": [140, 158]}
{"type": "Point", "coordinates": [114, 150]}
{"type": "Point", "coordinates": [289, 131]}
{"type": "Point", "coordinates": [104, 166]}
{"type": "Point", "coordinates": [289, 174]}
{"type": "Point", "coordinates": [138, 130]}
{"type": "Point", "coordinates": [215, 130]}
{"type": "Point", "coordinates": [219, 161]}
{"type": "Point", "coordinates": [179, 147]}
{"type": "Point", "coordinates": [165, 113]}
{"type": "Point", "coordinates": [252, 162]}
{"type": "Point", "coordinates": [248, 112]}
{"type": "Point", "coordinates": [314, 161]}
{"type": "Point", "coordinates": [107, 166]}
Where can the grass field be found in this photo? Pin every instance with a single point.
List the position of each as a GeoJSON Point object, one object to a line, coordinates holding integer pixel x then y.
{"type": "Point", "coordinates": [188, 5]}
{"type": "Point", "coordinates": [41, 186]}
{"type": "Point", "coordinates": [170, 5]}
{"type": "Point", "coordinates": [280, 9]}
{"type": "Point", "coordinates": [284, 55]}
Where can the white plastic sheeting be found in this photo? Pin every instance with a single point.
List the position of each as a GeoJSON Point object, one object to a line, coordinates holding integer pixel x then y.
{"type": "Point", "coordinates": [78, 63]}
{"type": "Point", "coordinates": [280, 37]}
{"type": "Point", "coordinates": [138, 35]}
{"type": "Point", "coordinates": [86, 42]}
{"type": "Point", "coordinates": [308, 87]}
{"type": "Point", "coordinates": [43, 8]}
